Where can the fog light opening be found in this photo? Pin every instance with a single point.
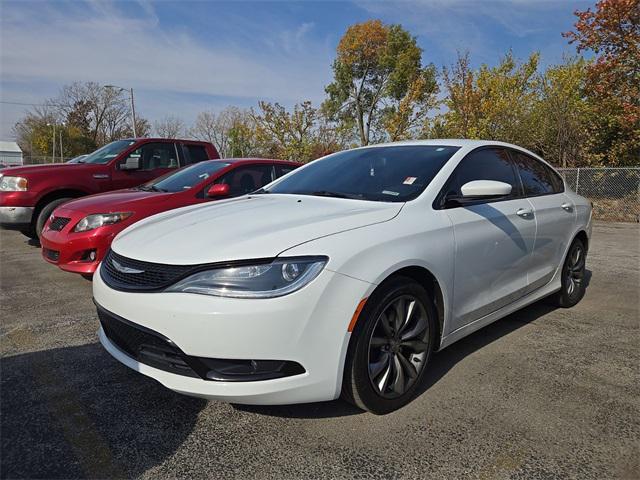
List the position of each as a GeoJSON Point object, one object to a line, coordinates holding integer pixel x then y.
{"type": "Point", "coordinates": [89, 256]}
{"type": "Point", "coordinates": [249, 370]}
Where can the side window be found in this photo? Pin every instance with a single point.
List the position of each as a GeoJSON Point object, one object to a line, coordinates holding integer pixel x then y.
{"type": "Point", "coordinates": [194, 154]}
{"type": "Point", "coordinates": [156, 155]}
{"type": "Point", "coordinates": [245, 180]}
{"type": "Point", "coordinates": [283, 170]}
{"type": "Point", "coordinates": [537, 178]}
{"type": "Point", "coordinates": [484, 164]}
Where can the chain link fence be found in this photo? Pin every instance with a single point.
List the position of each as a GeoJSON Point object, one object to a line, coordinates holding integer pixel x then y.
{"type": "Point", "coordinates": [615, 192]}
{"type": "Point", "coordinates": [40, 160]}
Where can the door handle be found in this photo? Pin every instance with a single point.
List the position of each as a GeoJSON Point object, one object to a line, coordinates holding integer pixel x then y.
{"type": "Point", "coordinates": [525, 212]}
{"type": "Point", "coordinates": [567, 207]}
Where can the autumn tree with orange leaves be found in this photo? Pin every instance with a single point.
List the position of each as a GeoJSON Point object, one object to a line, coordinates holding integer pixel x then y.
{"type": "Point", "coordinates": [612, 33]}
{"type": "Point", "coordinates": [380, 87]}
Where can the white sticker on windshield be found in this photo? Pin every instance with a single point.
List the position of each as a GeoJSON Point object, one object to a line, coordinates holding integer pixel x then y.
{"type": "Point", "coordinates": [388, 192]}
{"type": "Point", "coordinates": [409, 180]}
{"type": "Point", "coordinates": [439, 149]}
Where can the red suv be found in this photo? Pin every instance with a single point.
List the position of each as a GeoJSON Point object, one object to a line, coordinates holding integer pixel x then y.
{"type": "Point", "coordinates": [78, 233]}
{"type": "Point", "coordinates": [29, 194]}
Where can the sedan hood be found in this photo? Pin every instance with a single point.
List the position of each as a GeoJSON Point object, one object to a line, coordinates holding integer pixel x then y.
{"type": "Point", "coordinates": [259, 226]}
{"type": "Point", "coordinates": [117, 201]}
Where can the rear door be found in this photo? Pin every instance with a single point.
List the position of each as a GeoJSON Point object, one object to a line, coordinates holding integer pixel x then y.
{"type": "Point", "coordinates": [494, 238]}
{"type": "Point", "coordinates": [555, 216]}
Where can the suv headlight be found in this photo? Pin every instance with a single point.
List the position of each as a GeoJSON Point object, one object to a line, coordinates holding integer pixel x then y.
{"type": "Point", "coordinates": [13, 184]}
{"type": "Point", "coordinates": [281, 277]}
{"type": "Point", "coordinates": [97, 220]}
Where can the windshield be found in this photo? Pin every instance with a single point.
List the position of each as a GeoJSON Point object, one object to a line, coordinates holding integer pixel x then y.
{"type": "Point", "coordinates": [384, 174]}
{"type": "Point", "coordinates": [108, 152]}
{"type": "Point", "coordinates": [185, 178]}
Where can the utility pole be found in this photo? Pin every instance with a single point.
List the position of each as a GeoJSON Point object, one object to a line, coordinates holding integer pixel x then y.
{"type": "Point", "coordinates": [53, 142]}
{"type": "Point", "coordinates": [133, 108]}
{"type": "Point", "coordinates": [133, 114]}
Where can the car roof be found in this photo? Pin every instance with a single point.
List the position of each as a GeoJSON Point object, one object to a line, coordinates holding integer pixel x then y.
{"type": "Point", "coordinates": [449, 142]}
{"type": "Point", "coordinates": [236, 161]}
{"type": "Point", "coordinates": [163, 139]}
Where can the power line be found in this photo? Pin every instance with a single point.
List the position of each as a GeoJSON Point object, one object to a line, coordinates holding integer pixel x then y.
{"type": "Point", "coordinates": [32, 104]}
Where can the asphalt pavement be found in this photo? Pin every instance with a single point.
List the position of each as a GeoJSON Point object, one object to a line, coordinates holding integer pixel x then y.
{"type": "Point", "coordinates": [543, 393]}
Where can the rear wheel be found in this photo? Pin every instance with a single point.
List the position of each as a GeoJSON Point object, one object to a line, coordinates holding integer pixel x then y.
{"type": "Point", "coordinates": [573, 276]}
{"type": "Point", "coordinates": [45, 212]}
{"type": "Point", "coordinates": [391, 347]}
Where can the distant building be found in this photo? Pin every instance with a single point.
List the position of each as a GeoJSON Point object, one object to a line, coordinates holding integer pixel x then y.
{"type": "Point", "coordinates": [10, 154]}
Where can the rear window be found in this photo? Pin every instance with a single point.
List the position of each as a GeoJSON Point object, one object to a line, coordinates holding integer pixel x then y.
{"type": "Point", "coordinates": [194, 154]}
{"type": "Point", "coordinates": [537, 178]}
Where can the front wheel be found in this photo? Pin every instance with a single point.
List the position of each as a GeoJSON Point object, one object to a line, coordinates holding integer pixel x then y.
{"type": "Point", "coordinates": [390, 347]}
{"type": "Point", "coordinates": [573, 276]}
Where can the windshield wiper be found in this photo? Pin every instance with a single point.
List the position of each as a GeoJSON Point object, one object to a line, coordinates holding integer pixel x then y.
{"type": "Point", "coordinates": [327, 193]}
{"type": "Point", "coordinates": [260, 191]}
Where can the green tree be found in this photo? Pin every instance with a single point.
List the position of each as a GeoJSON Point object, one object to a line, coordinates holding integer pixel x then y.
{"type": "Point", "coordinates": [562, 114]}
{"type": "Point", "coordinates": [494, 103]}
{"type": "Point", "coordinates": [302, 134]}
{"type": "Point", "coordinates": [380, 87]}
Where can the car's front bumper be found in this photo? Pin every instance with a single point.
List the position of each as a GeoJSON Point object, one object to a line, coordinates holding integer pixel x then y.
{"type": "Point", "coordinates": [308, 327]}
{"type": "Point", "coordinates": [15, 216]}
{"type": "Point", "coordinates": [71, 251]}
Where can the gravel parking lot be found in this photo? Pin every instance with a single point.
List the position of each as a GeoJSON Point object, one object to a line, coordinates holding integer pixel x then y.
{"type": "Point", "coordinates": [543, 393]}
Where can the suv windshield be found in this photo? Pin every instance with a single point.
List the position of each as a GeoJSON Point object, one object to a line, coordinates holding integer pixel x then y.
{"type": "Point", "coordinates": [185, 178]}
{"type": "Point", "coordinates": [108, 152]}
{"type": "Point", "coordinates": [383, 174]}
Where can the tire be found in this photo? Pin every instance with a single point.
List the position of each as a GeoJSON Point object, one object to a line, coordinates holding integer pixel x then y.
{"type": "Point", "coordinates": [573, 276]}
{"type": "Point", "coordinates": [29, 232]}
{"type": "Point", "coordinates": [45, 212]}
{"type": "Point", "coordinates": [386, 364]}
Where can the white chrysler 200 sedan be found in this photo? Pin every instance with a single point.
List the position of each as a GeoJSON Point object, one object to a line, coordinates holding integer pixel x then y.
{"type": "Point", "coordinates": [344, 276]}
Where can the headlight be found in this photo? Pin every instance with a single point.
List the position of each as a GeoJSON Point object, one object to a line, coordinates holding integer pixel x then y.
{"type": "Point", "coordinates": [281, 277]}
{"type": "Point", "coordinates": [97, 220]}
{"type": "Point", "coordinates": [13, 184]}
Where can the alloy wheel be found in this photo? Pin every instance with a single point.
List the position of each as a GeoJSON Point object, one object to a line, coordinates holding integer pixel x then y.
{"type": "Point", "coordinates": [574, 271]}
{"type": "Point", "coordinates": [398, 346]}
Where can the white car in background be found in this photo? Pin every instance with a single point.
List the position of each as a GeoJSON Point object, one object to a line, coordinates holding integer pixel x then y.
{"type": "Point", "coordinates": [344, 276]}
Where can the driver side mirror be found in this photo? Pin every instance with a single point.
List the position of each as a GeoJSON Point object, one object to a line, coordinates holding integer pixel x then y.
{"type": "Point", "coordinates": [478, 190]}
{"type": "Point", "coordinates": [131, 163]}
{"type": "Point", "coordinates": [218, 190]}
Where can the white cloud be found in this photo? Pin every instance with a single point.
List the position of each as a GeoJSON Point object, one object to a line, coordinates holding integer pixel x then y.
{"type": "Point", "coordinates": [61, 43]}
{"type": "Point", "coordinates": [486, 28]}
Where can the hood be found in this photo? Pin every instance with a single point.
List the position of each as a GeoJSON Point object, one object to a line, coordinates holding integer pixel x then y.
{"type": "Point", "coordinates": [118, 201]}
{"type": "Point", "coordinates": [259, 226]}
{"type": "Point", "coordinates": [26, 170]}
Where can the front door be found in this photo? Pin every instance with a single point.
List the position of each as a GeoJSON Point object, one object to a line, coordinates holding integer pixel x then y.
{"type": "Point", "coordinates": [493, 239]}
{"type": "Point", "coordinates": [156, 159]}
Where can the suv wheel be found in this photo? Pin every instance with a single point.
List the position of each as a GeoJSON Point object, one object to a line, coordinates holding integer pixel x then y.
{"type": "Point", "coordinates": [391, 347]}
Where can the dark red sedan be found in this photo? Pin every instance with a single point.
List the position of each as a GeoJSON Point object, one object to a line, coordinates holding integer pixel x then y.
{"type": "Point", "coordinates": [78, 233]}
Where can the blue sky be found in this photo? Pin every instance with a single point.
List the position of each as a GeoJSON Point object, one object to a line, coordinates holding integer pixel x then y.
{"type": "Point", "coordinates": [185, 57]}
